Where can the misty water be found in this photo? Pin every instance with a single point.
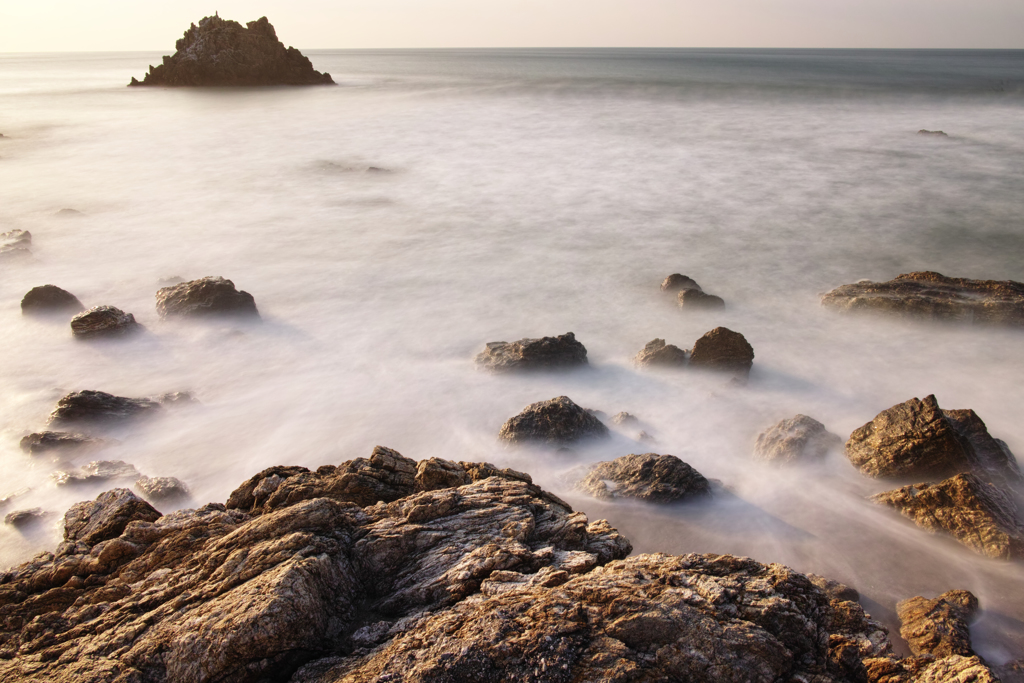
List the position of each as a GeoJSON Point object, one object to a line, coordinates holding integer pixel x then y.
{"type": "Point", "coordinates": [438, 200]}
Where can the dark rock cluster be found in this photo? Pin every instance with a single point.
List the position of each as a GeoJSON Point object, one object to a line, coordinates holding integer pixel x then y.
{"type": "Point", "coordinates": [225, 53]}
{"type": "Point", "coordinates": [721, 349]}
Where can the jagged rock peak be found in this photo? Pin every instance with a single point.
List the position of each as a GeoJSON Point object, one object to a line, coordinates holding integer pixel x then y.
{"type": "Point", "coordinates": [223, 52]}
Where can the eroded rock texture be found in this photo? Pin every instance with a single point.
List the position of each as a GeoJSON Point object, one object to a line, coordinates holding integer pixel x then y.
{"type": "Point", "coordinates": [162, 489]}
{"type": "Point", "coordinates": [545, 353]}
{"type": "Point", "coordinates": [976, 513]}
{"type": "Point", "coordinates": [103, 321]}
{"type": "Point", "coordinates": [723, 349]}
{"type": "Point", "coordinates": [39, 443]}
{"type": "Point", "coordinates": [50, 299]}
{"type": "Point", "coordinates": [223, 52]}
{"type": "Point", "coordinates": [558, 421]}
{"type": "Point", "coordinates": [208, 296]}
{"type": "Point", "coordinates": [796, 439]}
{"type": "Point", "coordinates": [931, 295]}
{"type": "Point", "coordinates": [918, 439]}
{"type": "Point", "coordinates": [938, 627]}
{"type": "Point", "coordinates": [89, 408]}
{"type": "Point", "coordinates": [649, 477]}
{"type": "Point", "coordinates": [659, 354]}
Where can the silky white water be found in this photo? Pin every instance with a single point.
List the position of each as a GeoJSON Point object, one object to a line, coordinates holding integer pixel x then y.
{"type": "Point", "coordinates": [522, 194]}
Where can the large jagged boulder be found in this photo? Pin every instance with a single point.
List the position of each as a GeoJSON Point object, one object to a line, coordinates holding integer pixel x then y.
{"type": "Point", "coordinates": [207, 296]}
{"type": "Point", "coordinates": [223, 52]}
{"type": "Point", "coordinates": [89, 407]}
{"type": "Point", "coordinates": [656, 353]}
{"type": "Point", "coordinates": [931, 295]}
{"type": "Point", "coordinates": [938, 627]}
{"type": "Point", "coordinates": [976, 513]}
{"type": "Point", "coordinates": [50, 299]}
{"type": "Point", "coordinates": [557, 421]}
{"type": "Point", "coordinates": [918, 439]}
{"type": "Point", "coordinates": [725, 350]}
{"type": "Point", "coordinates": [796, 439]}
{"type": "Point", "coordinates": [649, 477]}
{"type": "Point", "coordinates": [546, 353]}
{"type": "Point", "coordinates": [103, 322]}
{"type": "Point", "coordinates": [708, 618]}
{"type": "Point", "coordinates": [106, 517]}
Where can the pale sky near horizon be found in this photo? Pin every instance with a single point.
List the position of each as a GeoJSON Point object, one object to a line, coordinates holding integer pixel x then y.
{"type": "Point", "coordinates": [66, 25]}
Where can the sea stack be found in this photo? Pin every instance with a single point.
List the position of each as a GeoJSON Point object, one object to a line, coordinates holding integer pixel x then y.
{"type": "Point", "coordinates": [223, 52]}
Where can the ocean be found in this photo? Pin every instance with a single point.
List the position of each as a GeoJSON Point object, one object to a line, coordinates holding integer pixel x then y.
{"type": "Point", "coordinates": [436, 200]}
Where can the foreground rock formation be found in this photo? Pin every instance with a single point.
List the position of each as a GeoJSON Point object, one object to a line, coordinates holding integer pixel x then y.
{"type": "Point", "coordinates": [940, 626]}
{"type": "Point", "coordinates": [103, 321]}
{"type": "Point", "coordinates": [918, 439]}
{"type": "Point", "coordinates": [546, 353]}
{"type": "Point", "coordinates": [976, 513]}
{"type": "Point", "coordinates": [50, 299]}
{"type": "Point", "coordinates": [223, 52]}
{"type": "Point", "coordinates": [649, 477]}
{"type": "Point", "coordinates": [796, 439]}
{"type": "Point", "coordinates": [935, 296]}
{"type": "Point", "coordinates": [461, 572]}
{"type": "Point", "coordinates": [207, 296]}
{"type": "Point", "coordinates": [557, 422]}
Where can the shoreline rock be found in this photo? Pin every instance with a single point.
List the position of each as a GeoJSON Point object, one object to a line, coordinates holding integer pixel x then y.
{"type": "Point", "coordinates": [724, 350]}
{"type": "Point", "coordinates": [102, 322]}
{"type": "Point", "coordinates": [207, 296]}
{"type": "Point", "coordinates": [657, 353]}
{"type": "Point", "coordinates": [648, 477]}
{"type": "Point", "coordinates": [545, 353]}
{"type": "Point", "coordinates": [938, 627]}
{"type": "Point", "coordinates": [556, 422]}
{"type": "Point", "coordinates": [221, 52]}
{"type": "Point", "coordinates": [90, 407]}
{"type": "Point", "coordinates": [935, 296]}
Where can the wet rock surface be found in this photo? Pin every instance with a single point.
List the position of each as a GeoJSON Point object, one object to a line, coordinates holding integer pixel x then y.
{"type": "Point", "coordinates": [695, 299]}
{"type": "Point", "coordinates": [105, 518]}
{"type": "Point", "coordinates": [15, 245]}
{"type": "Point", "coordinates": [97, 471]}
{"type": "Point", "coordinates": [103, 321]}
{"type": "Point", "coordinates": [558, 421]}
{"type": "Point", "coordinates": [162, 489]}
{"type": "Point", "coordinates": [919, 439]}
{"type": "Point", "coordinates": [39, 443]}
{"type": "Point", "coordinates": [221, 52]}
{"type": "Point", "coordinates": [677, 282]}
{"type": "Point", "coordinates": [938, 627]}
{"type": "Point", "coordinates": [545, 353]}
{"type": "Point", "coordinates": [649, 477]}
{"type": "Point", "coordinates": [92, 408]}
{"type": "Point", "coordinates": [208, 296]}
{"type": "Point", "coordinates": [796, 439]}
{"type": "Point", "coordinates": [935, 296]}
{"type": "Point", "coordinates": [978, 514]}
{"type": "Point", "coordinates": [656, 353]}
{"type": "Point", "coordinates": [50, 299]}
{"type": "Point", "coordinates": [724, 350]}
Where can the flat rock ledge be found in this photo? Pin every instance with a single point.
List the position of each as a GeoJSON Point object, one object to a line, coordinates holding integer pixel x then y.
{"type": "Point", "coordinates": [546, 353]}
{"type": "Point", "coordinates": [556, 422]}
{"type": "Point", "coordinates": [796, 439]}
{"type": "Point", "coordinates": [932, 295]}
{"type": "Point", "coordinates": [221, 52]}
{"type": "Point", "coordinates": [978, 514]}
{"type": "Point", "coordinates": [649, 477]}
{"type": "Point", "coordinates": [103, 322]}
{"type": "Point", "coordinates": [920, 440]}
{"type": "Point", "coordinates": [207, 296]}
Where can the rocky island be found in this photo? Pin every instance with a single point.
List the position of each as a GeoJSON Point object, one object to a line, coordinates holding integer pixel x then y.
{"type": "Point", "coordinates": [223, 52]}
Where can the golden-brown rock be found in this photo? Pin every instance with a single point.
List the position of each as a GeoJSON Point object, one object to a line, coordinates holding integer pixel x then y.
{"type": "Point", "coordinates": [650, 477]}
{"type": "Point", "coordinates": [656, 353]}
{"type": "Point", "coordinates": [938, 627]}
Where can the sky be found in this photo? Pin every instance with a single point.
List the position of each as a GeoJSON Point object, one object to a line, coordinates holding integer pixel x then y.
{"type": "Point", "coordinates": [102, 25]}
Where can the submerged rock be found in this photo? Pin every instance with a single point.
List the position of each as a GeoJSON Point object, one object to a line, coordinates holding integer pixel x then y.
{"type": "Point", "coordinates": [677, 282]}
{"type": "Point", "coordinates": [931, 295]}
{"type": "Point", "coordinates": [796, 439]}
{"type": "Point", "coordinates": [723, 349]}
{"type": "Point", "coordinates": [557, 421]}
{"type": "Point", "coordinates": [98, 407]}
{"type": "Point", "coordinates": [223, 52]}
{"type": "Point", "coordinates": [162, 488]}
{"type": "Point", "coordinates": [64, 442]}
{"type": "Point", "coordinates": [624, 419]}
{"type": "Point", "coordinates": [96, 472]}
{"type": "Point", "coordinates": [932, 132]}
{"type": "Point", "coordinates": [695, 299]}
{"type": "Point", "coordinates": [649, 477]}
{"type": "Point", "coordinates": [534, 354]}
{"type": "Point", "coordinates": [15, 244]}
{"type": "Point", "coordinates": [657, 353]}
{"type": "Point", "coordinates": [204, 297]}
{"type": "Point", "coordinates": [977, 514]}
{"type": "Point", "coordinates": [50, 299]}
{"type": "Point", "coordinates": [918, 439]}
{"type": "Point", "coordinates": [938, 627]}
{"type": "Point", "coordinates": [103, 321]}
{"type": "Point", "coordinates": [22, 519]}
